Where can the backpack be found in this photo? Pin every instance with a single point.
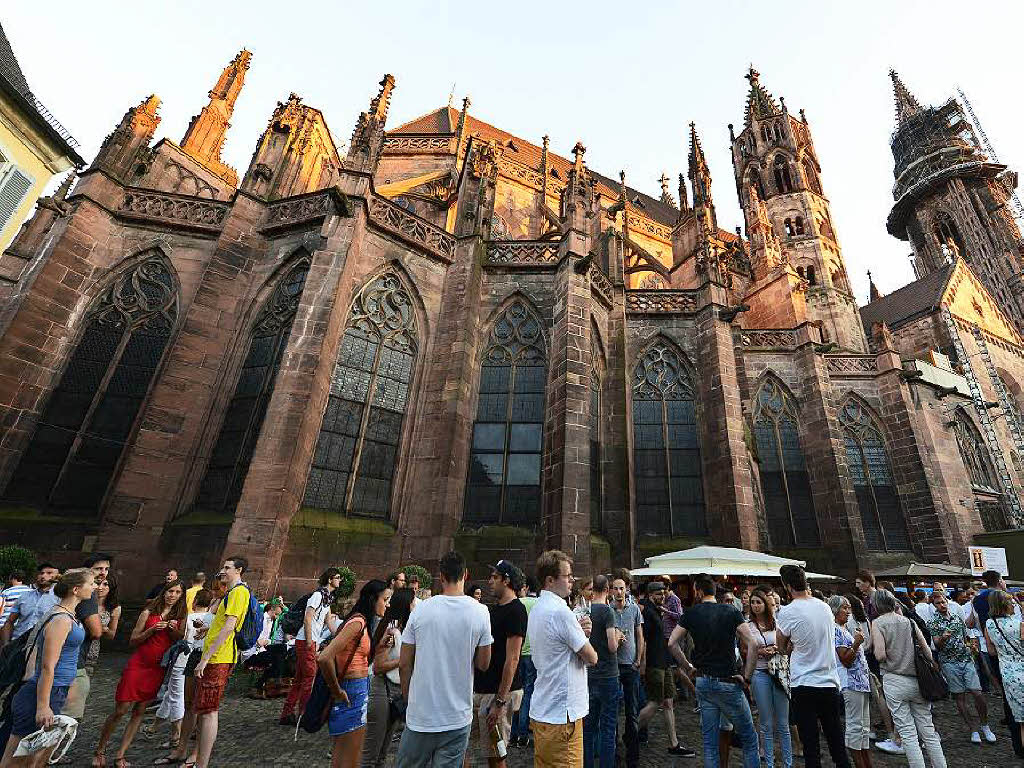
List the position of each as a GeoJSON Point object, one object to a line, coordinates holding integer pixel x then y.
{"type": "Point", "coordinates": [249, 628]}
{"type": "Point", "coordinates": [318, 706]}
{"type": "Point", "coordinates": [14, 657]}
{"type": "Point", "coordinates": [291, 620]}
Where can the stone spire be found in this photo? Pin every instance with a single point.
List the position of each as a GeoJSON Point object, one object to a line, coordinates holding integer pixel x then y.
{"type": "Point", "coordinates": [666, 196]}
{"type": "Point", "coordinates": [684, 202]}
{"type": "Point", "coordinates": [125, 154]}
{"type": "Point", "coordinates": [765, 249]}
{"type": "Point", "coordinates": [205, 136]}
{"type": "Point", "coordinates": [368, 135]}
{"type": "Point", "coordinates": [873, 293]}
{"type": "Point", "coordinates": [545, 169]}
{"type": "Point", "coordinates": [906, 105]}
{"type": "Point", "coordinates": [61, 194]}
{"type": "Point", "coordinates": [700, 178]}
{"type": "Point", "coordinates": [760, 103]}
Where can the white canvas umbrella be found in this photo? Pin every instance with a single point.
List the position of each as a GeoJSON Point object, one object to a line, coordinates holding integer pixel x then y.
{"type": "Point", "coordinates": [720, 561]}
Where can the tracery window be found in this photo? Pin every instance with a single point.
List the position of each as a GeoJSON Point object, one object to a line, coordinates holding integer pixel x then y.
{"type": "Point", "coordinates": [884, 526]}
{"type": "Point", "coordinates": [221, 486]}
{"type": "Point", "coordinates": [357, 450]}
{"type": "Point", "coordinates": [505, 464]}
{"type": "Point", "coordinates": [784, 479]}
{"type": "Point", "coordinates": [973, 452]}
{"type": "Point", "coordinates": [666, 446]}
{"type": "Point", "coordinates": [499, 229]}
{"type": "Point", "coordinates": [757, 183]}
{"type": "Point", "coordinates": [78, 442]}
{"type": "Point", "coordinates": [950, 241]}
{"type": "Point", "coordinates": [811, 176]}
{"type": "Point", "coordinates": [783, 179]}
{"type": "Point", "coordinates": [798, 225]}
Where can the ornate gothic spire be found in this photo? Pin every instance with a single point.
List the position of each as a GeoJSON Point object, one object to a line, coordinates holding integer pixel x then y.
{"type": "Point", "coordinates": [760, 103]}
{"type": "Point", "coordinates": [125, 153]}
{"type": "Point", "coordinates": [906, 104]}
{"type": "Point", "coordinates": [873, 293]}
{"type": "Point", "coordinates": [205, 136]}
{"type": "Point", "coordinates": [368, 135]}
{"type": "Point", "coordinates": [684, 203]}
{"type": "Point", "coordinates": [700, 174]}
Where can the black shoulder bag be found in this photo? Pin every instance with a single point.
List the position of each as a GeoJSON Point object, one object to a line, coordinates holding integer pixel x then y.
{"type": "Point", "coordinates": [929, 678]}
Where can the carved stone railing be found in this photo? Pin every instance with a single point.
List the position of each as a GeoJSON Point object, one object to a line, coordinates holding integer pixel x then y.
{"type": "Point", "coordinates": [661, 302]}
{"type": "Point", "coordinates": [419, 232]}
{"type": "Point", "coordinates": [305, 208]}
{"type": "Point", "coordinates": [523, 253]}
{"type": "Point", "coordinates": [842, 365]}
{"type": "Point", "coordinates": [600, 284]}
{"type": "Point", "coordinates": [770, 338]}
{"type": "Point", "coordinates": [413, 144]}
{"type": "Point", "coordinates": [639, 223]}
{"type": "Point", "coordinates": [529, 176]}
{"type": "Point", "coordinates": [180, 210]}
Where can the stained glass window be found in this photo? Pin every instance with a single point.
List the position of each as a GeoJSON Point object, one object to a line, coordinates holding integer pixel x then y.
{"type": "Point", "coordinates": [221, 487]}
{"type": "Point", "coordinates": [357, 450]}
{"type": "Point", "coordinates": [596, 486]}
{"type": "Point", "coordinates": [71, 459]}
{"type": "Point", "coordinates": [666, 448]}
{"type": "Point", "coordinates": [784, 480]}
{"type": "Point", "coordinates": [881, 517]}
{"type": "Point", "coordinates": [508, 434]}
{"type": "Point", "coordinates": [972, 452]}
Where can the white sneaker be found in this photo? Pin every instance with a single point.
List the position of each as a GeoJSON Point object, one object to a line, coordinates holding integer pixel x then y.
{"type": "Point", "coordinates": [889, 746]}
{"type": "Point", "coordinates": [989, 736]}
{"type": "Point", "coordinates": [976, 738]}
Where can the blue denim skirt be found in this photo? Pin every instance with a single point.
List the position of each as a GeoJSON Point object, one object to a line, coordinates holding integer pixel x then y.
{"type": "Point", "coordinates": [345, 718]}
{"type": "Point", "coordinates": [23, 707]}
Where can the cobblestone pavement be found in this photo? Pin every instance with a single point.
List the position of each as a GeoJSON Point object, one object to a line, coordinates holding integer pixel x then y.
{"type": "Point", "coordinates": [249, 735]}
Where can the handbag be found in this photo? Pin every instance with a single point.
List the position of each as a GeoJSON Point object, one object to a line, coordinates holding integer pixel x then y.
{"type": "Point", "coordinates": [778, 665]}
{"type": "Point", "coordinates": [318, 706]}
{"type": "Point", "coordinates": [929, 678]}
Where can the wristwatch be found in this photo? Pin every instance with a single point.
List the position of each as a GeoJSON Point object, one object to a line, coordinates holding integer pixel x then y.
{"type": "Point", "coordinates": [501, 703]}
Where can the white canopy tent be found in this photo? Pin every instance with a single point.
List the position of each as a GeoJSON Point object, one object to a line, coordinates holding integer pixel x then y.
{"type": "Point", "coordinates": [721, 561]}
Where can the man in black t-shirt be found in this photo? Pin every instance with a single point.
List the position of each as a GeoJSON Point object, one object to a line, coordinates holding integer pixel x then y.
{"type": "Point", "coordinates": [88, 614]}
{"type": "Point", "coordinates": [714, 628]}
{"type": "Point", "coordinates": [493, 687]}
{"type": "Point", "coordinates": [657, 676]}
{"type": "Point", "coordinates": [602, 681]}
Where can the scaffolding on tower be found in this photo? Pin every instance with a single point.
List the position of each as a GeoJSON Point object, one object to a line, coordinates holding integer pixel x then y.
{"type": "Point", "coordinates": [1018, 208]}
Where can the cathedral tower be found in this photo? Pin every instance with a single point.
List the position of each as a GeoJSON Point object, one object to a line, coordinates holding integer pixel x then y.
{"type": "Point", "coordinates": [952, 200]}
{"type": "Point", "coordinates": [777, 170]}
{"type": "Point", "coordinates": [205, 136]}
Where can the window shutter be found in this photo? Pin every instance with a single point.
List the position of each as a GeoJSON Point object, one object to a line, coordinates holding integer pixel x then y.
{"type": "Point", "coordinates": [13, 188]}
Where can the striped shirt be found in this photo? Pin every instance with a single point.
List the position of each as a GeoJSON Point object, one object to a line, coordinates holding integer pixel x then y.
{"type": "Point", "coordinates": [10, 596]}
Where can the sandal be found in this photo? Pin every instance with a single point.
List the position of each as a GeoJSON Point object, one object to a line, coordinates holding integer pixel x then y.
{"type": "Point", "coordinates": [122, 762]}
{"type": "Point", "coordinates": [169, 744]}
{"type": "Point", "coordinates": [99, 761]}
{"type": "Point", "coordinates": [169, 760]}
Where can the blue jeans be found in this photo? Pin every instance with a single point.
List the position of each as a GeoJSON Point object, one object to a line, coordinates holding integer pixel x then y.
{"type": "Point", "coordinates": [446, 749]}
{"type": "Point", "coordinates": [528, 673]}
{"type": "Point", "coordinates": [630, 679]}
{"type": "Point", "coordinates": [716, 698]}
{"type": "Point", "coordinates": [773, 714]}
{"type": "Point", "coordinates": [600, 723]}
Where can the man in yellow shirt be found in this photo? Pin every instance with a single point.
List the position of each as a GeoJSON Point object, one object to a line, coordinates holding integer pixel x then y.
{"type": "Point", "coordinates": [214, 667]}
{"type": "Point", "coordinates": [190, 594]}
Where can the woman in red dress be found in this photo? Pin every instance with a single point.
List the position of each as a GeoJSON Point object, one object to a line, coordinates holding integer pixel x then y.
{"type": "Point", "coordinates": [160, 625]}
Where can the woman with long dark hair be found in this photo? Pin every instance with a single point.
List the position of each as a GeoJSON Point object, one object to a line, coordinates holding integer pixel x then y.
{"type": "Point", "coordinates": [385, 685]}
{"type": "Point", "coordinates": [345, 665]}
{"type": "Point", "coordinates": [110, 617]}
{"type": "Point", "coordinates": [160, 625]}
{"type": "Point", "coordinates": [52, 660]}
{"type": "Point", "coordinates": [768, 679]}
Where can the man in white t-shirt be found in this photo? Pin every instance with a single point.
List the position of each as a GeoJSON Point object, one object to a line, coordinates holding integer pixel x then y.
{"type": "Point", "coordinates": [561, 653]}
{"type": "Point", "coordinates": [445, 638]}
{"type": "Point", "coordinates": [307, 644]}
{"type": "Point", "coordinates": [806, 629]}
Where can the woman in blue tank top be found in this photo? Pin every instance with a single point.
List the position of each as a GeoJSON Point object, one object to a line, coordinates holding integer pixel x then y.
{"type": "Point", "coordinates": [52, 662]}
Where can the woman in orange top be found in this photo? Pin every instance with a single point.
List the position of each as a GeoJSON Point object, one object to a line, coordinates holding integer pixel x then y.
{"type": "Point", "coordinates": [347, 657]}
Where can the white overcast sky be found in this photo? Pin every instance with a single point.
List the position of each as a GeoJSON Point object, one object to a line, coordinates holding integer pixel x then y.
{"type": "Point", "coordinates": [625, 78]}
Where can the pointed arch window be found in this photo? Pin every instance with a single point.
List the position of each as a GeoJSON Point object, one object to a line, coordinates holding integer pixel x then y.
{"type": "Point", "coordinates": [666, 446]}
{"type": "Point", "coordinates": [811, 176]}
{"type": "Point", "coordinates": [784, 479]}
{"type": "Point", "coordinates": [787, 226]}
{"type": "Point", "coordinates": [221, 486]}
{"type": "Point", "coordinates": [885, 528]}
{"type": "Point", "coordinates": [357, 450]}
{"type": "Point", "coordinates": [973, 453]}
{"type": "Point", "coordinates": [508, 434]}
{"type": "Point", "coordinates": [783, 179]}
{"type": "Point", "coordinates": [812, 277]}
{"type": "Point", "coordinates": [90, 417]}
{"type": "Point", "coordinates": [798, 225]}
{"type": "Point", "coordinates": [950, 241]}
{"type": "Point", "coordinates": [596, 484]}
{"type": "Point", "coordinates": [757, 183]}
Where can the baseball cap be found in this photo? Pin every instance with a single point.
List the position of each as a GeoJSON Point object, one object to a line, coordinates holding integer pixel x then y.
{"type": "Point", "coordinates": [506, 569]}
{"type": "Point", "coordinates": [655, 586]}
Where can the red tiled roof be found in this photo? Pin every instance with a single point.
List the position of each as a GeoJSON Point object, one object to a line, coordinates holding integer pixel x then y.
{"type": "Point", "coordinates": [446, 120]}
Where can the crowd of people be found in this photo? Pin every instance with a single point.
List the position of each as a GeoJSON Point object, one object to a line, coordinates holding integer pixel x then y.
{"type": "Point", "coordinates": [541, 660]}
